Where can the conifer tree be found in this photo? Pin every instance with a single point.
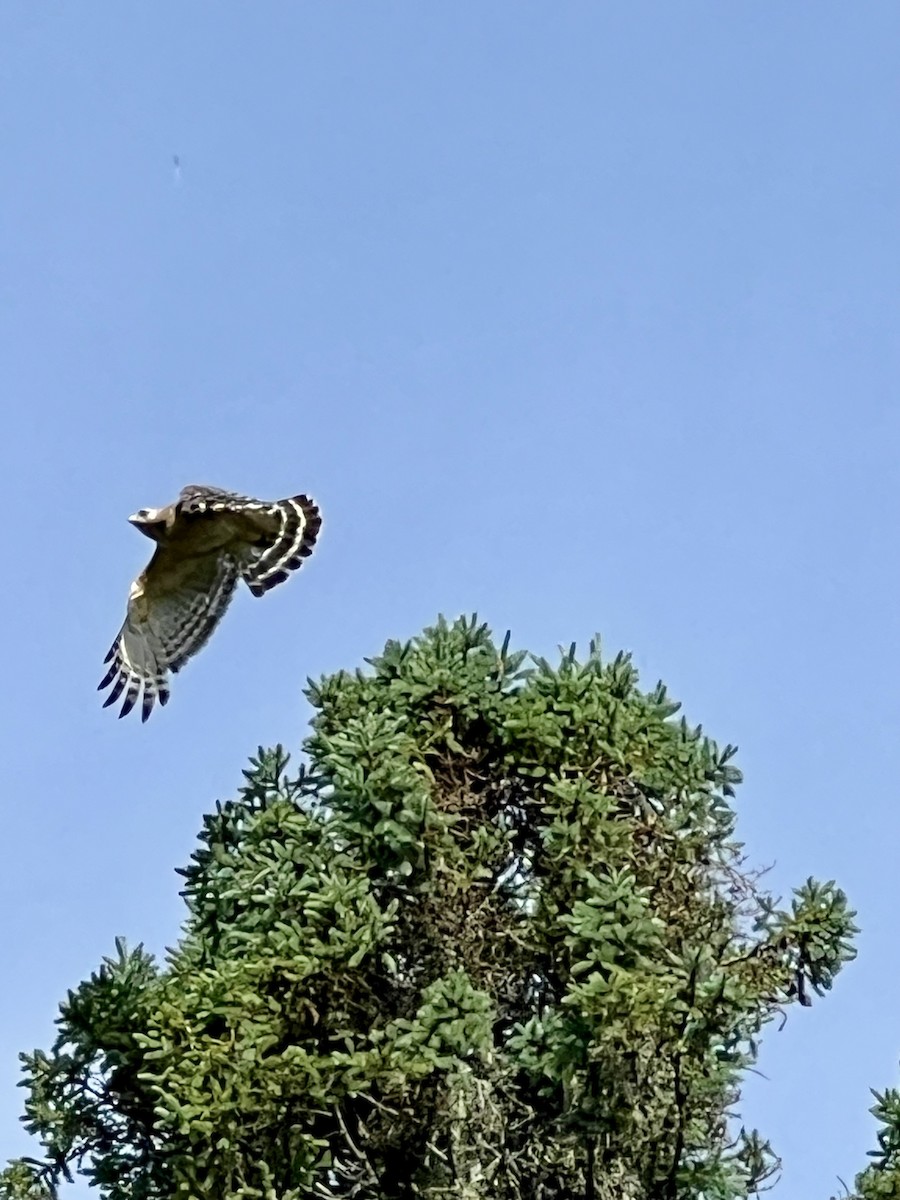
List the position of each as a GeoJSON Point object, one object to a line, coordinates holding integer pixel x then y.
{"type": "Point", "coordinates": [881, 1179]}
{"type": "Point", "coordinates": [494, 940]}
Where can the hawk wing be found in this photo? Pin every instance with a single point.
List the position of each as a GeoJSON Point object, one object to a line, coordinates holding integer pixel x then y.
{"type": "Point", "coordinates": [173, 609]}
{"type": "Point", "coordinates": [274, 536]}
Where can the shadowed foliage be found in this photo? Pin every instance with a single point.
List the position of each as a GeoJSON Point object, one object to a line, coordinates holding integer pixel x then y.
{"type": "Point", "coordinates": [494, 941]}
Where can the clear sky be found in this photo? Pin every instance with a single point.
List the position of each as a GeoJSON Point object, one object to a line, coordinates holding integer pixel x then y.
{"type": "Point", "coordinates": [580, 315]}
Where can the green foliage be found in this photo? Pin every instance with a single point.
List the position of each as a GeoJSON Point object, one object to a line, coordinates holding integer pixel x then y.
{"type": "Point", "coordinates": [496, 940]}
{"type": "Point", "coordinates": [881, 1180]}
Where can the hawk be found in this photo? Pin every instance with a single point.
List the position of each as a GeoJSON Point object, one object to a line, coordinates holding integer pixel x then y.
{"type": "Point", "coordinates": [205, 542]}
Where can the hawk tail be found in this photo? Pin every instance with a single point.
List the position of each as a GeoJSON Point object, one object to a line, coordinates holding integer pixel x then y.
{"type": "Point", "coordinates": [284, 551]}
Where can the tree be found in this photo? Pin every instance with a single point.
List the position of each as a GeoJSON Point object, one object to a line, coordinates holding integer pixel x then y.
{"type": "Point", "coordinates": [494, 940]}
{"type": "Point", "coordinates": [881, 1179]}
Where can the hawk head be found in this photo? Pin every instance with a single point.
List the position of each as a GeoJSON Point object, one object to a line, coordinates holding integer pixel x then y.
{"type": "Point", "coordinates": [152, 522]}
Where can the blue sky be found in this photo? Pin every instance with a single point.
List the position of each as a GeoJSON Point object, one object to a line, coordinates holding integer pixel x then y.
{"type": "Point", "coordinates": [583, 316]}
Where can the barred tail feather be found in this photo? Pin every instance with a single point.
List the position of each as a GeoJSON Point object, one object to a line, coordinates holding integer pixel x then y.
{"type": "Point", "coordinates": [285, 551]}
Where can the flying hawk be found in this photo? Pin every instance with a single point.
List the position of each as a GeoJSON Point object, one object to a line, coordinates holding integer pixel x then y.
{"type": "Point", "coordinates": [205, 542]}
